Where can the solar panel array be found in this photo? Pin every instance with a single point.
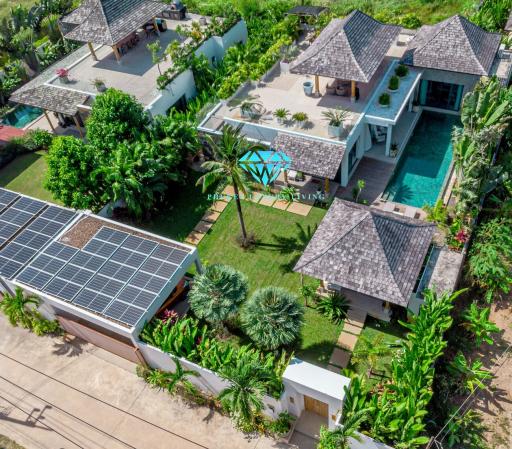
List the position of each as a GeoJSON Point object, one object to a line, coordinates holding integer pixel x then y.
{"type": "Point", "coordinates": [116, 274]}
{"type": "Point", "coordinates": [26, 226]}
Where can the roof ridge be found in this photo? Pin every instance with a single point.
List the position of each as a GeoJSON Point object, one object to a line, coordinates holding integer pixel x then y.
{"type": "Point", "coordinates": [364, 215]}
{"type": "Point", "coordinates": [465, 23]}
{"type": "Point", "coordinates": [442, 25]}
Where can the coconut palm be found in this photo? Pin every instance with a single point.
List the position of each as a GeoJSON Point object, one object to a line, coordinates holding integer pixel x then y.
{"type": "Point", "coordinates": [339, 438]}
{"type": "Point", "coordinates": [17, 307]}
{"type": "Point", "coordinates": [51, 25]}
{"type": "Point", "coordinates": [272, 317]}
{"type": "Point", "coordinates": [244, 397]}
{"type": "Point", "coordinates": [217, 292]}
{"type": "Point", "coordinates": [227, 151]}
{"type": "Point", "coordinates": [477, 322]}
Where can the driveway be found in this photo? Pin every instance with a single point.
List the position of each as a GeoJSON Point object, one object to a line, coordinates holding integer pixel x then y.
{"type": "Point", "coordinates": [69, 395]}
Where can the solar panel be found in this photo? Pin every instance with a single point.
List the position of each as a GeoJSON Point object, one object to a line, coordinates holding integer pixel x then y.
{"type": "Point", "coordinates": [48, 264]}
{"type": "Point", "coordinates": [159, 268]}
{"type": "Point", "coordinates": [146, 281]}
{"type": "Point", "coordinates": [89, 261]}
{"type": "Point", "coordinates": [100, 248]}
{"type": "Point", "coordinates": [105, 285]}
{"type": "Point", "coordinates": [62, 289]}
{"type": "Point", "coordinates": [125, 313]}
{"type": "Point", "coordinates": [28, 205]}
{"type": "Point", "coordinates": [33, 277]}
{"type": "Point", "coordinates": [58, 214]}
{"type": "Point", "coordinates": [128, 257]}
{"type": "Point", "coordinates": [111, 235]}
{"type": "Point", "coordinates": [139, 244]}
{"type": "Point", "coordinates": [92, 300]}
{"type": "Point", "coordinates": [136, 296]}
{"type": "Point", "coordinates": [6, 198]}
{"type": "Point", "coordinates": [60, 251]}
{"type": "Point", "coordinates": [117, 271]}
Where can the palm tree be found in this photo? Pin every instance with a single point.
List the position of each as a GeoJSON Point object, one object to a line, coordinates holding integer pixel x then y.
{"type": "Point", "coordinates": [179, 379]}
{"type": "Point", "coordinates": [370, 351]}
{"type": "Point", "coordinates": [244, 396]}
{"type": "Point", "coordinates": [16, 307]}
{"type": "Point", "coordinates": [227, 152]}
{"type": "Point", "coordinates": [339, 438]}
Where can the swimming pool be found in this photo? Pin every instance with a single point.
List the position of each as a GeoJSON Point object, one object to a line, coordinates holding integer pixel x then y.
{"type": "Point", "coordinates": [21, 116]}
{"type": "Point", "coordinates": [419, 175]}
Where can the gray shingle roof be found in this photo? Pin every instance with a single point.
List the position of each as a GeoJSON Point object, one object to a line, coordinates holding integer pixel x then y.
{"type": "Point", "coordinates": [311, 156]}
{"type": "Point", "coordinates": [456, 45]}
{"type": "Point", "coordinates": [368, 251]}
{"type": "Point", "coordinates": [109, 21]}
{"type": "Point", "coordinates": [351, 48]}
{"type": "Point", "coordinates": [51, 98]}
{"type": "Point", "coordinates": [307, 10]}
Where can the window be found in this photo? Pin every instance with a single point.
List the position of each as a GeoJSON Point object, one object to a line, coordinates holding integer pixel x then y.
{"type": "Point", "coordinates": [441, 95]}
{"type": "Point", "coordinates": [352, 157]}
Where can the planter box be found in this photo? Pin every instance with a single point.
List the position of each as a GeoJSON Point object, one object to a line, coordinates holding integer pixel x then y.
{"type": "Point", "coordinates": [334, 131]}
{"type": "Point", "coordinates": [284, 66]}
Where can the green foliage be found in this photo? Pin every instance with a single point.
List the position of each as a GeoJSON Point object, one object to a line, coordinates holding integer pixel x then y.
{"type": "Point", "coordinates": [465, 430]}
{"type": "Point", "coordinates": [468, 375]}
{"type": "Point", "coordinates": [243, 399]}
{"type": "Point", "coordinates": [492, 14]}
{"type": "Point", "coordinates": [401, 70]}
{"type": "Point", "coordinates": [71, 165]}
{"type": "Point", "coordinates": [385, 99]}
{"type": "Point", "coordinates": [393, 83]}
{"type": "Point", "coordinates": [33, 140]}
{"type": "Point", "coordinates": [188, 339]}
{"type": "Point", "coordinates": [272, 318]}
{"type": "Point", "coordinates": [115, 116]}
{"type": "Point", "coordinates": [396, 414]}
{"type": "Point", "coordinates": [334, 306]}
{"type": "Point", "coordinates": [438, 213]}
{"type": "Point", "coordinates": [490, 257]}
{"type": "Point", "coordinates": [281, 425]}
{"type": "Point", "coordinates": [339, 437]}
{"type": "Point", "coordinates": [370, 351]}
{"type": "Point", "coordinates": [411, 21]}
{"type": "Point", "coordinates": [335, 117]}
{"type": "Point", "coordinates": [21, 310]}
{"type": "Point", "coordinates": [289, 194]}
{"type": "Point", "coordinates": [477, 322]}
{"type": "Point", "coordinates": [217, 293]}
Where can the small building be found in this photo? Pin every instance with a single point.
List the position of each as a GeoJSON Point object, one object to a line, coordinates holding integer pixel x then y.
{"type": "Point", "coordinates": [101, 279]}
{"type": "Point", "coordinates": [115, 54]}
{"type": "Point", "coordinates": [374, 258]}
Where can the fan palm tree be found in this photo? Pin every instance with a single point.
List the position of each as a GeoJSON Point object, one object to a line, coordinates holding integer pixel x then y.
{"type": "Point", "coordinates": [16, 307]}
{"type": "Point", "coordinates": [244, 396]}
{"type": "Point", "coordinates": [227, 151]}
{"type": "Point", "coordinates": [339, 438]}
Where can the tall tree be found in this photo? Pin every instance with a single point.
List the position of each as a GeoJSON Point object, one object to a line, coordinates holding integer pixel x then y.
{"type": "Point", "coordinates": [227, 151]}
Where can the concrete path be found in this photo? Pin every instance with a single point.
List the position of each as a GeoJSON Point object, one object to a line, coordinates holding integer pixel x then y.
{"type": "Point", "coordinates": [58, 395]}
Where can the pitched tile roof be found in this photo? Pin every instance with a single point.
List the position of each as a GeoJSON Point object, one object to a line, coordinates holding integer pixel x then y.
{"type": "Point", "coordinates": [368, 251]}
{"type": "Point", "coordinates": [456, 45]}
{"type": "Point", "coordinates": [109, 21]}
{"type": "Point", "coordinates": [351, 48]}
{"type": "Point", "coordinates": [311, 156]}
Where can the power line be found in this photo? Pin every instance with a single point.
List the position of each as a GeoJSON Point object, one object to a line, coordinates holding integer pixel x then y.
{"type": "Point", "coordinates": [104, 402]}
{"type": "Point", "coordinates": [41, 422]}
{"type": "Point", "coordinates": [68, 413]}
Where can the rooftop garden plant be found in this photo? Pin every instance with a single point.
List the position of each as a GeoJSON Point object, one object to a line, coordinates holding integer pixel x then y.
{"type": "Point", "coordinates": [300, 117]}
{"type": "Point", "coordinates": [401, 70]}
{"type": "Point", "coordinates": [385, 100]}
{"type": "Point", "coordinates": [99, 84]}
{"type": "Point", "coordinates": [281, 114]}
{"type": "Point", "coordinates": [393, 83]}
{"type": "Point", "coordinates": [335, 117]}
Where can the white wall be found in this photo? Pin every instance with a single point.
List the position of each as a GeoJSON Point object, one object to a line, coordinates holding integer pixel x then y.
{"type": "Point", "coordinates": [362, 136]}
{"type": "Point", "coordinates": [183, 84]}
{"type": "Point", "coordinates": [207, 381]}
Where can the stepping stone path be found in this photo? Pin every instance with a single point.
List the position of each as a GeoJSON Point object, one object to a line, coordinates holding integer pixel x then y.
{"type": "Point", "coordinates": [210, 217]}
{"type": "Point", "coordinates": [267, 200]}
{"type": "Point", "coordinates": [299, 208]}
{"type": "Point", "coordinates": [347, 340]}
{"type": "Point", "coordinates": [280, 204]}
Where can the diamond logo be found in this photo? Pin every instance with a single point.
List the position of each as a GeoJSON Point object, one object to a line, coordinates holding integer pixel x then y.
{"type": "Point", "coordinates": [265, 165]}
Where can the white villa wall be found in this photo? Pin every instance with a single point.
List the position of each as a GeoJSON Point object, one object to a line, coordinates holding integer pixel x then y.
{"type": "Point", "coordinates": [207, 381]}
{"type": "Point", "coordinates": [183, 84]}
{"type": "Point", "coordinates": [362, 136]}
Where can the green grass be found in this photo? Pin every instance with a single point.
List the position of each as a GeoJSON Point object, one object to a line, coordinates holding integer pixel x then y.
{"type": "Point", "coordinates": [6, 5]}
{"type": "Point", "coordinates": [385, 334]}
{"type": "Point", "coordinates": [25, 174]}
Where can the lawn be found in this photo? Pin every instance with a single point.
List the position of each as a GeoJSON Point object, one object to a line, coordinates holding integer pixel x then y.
{"type": "Point", "coordinates": [379, 333]}
{"type": "Point", "coordinates": [26, 175]}
{"type": "Point", "coordinates": [6, 5]}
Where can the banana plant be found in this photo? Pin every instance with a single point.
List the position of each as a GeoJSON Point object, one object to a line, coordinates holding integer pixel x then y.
{"type": "Point", "coordinates": [469, 375]}
{"type": "Point", "coordinates": [477, 322]}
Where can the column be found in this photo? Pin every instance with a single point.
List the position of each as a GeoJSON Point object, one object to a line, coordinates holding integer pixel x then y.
{"type": "Point", "coordinates": [285, 175]}
{"type": "Point", "coordinates": [93, 53]}
{"type": "Point", "coordinates": [77, 124]}
{"type": "Point", "coordinates": [49, 121]}
{"type": "Point", "coordinates": [116, 53]}
{"type": "Point", "coordinates": [199, 266]}
{"type": "Point", "coordinates": [317, 85]}
{"type": "Point", "coordinates": [326, 187]}
{"type": "Point", "coordinates": [353, 91]}
{"type": "Point", "coordinates": [389, 135]}
{"type": "Point", "coordinates": [155, 24]}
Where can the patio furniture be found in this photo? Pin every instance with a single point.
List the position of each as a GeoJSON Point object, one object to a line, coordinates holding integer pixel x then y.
{"type": "Point", "coordinates": [330, 89]}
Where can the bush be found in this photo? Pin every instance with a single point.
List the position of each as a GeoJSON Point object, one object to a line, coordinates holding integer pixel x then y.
{"type": "Point", "coordinates": [217, 293]}
{"type": "Point", "coordinates": [334, 306]}
{"type": "Point", "coordinates": [401, 70]}
{"type": "Point", "coordinates": [385, 99]}
{"type": "Point", "coordinates": [272, 318]}
{"type": "Point", "coordinates": [33, 140]}
{"type": "Point", "coordinates": [410, 21]}
{"type": "Point", "coordinates": [394, 82]}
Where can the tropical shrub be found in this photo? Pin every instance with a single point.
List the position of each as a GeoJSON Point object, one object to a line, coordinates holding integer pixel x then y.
{"type": "Point", "coordinates": [394, 82]}
{"type": "Point", "coordinates": [468, 375]}
{"type": "Point", "coordinates": [492, 14]}
{"type": "Point", "coordinates": [272, 318]}
{"type": "Point", "coordinates": [465, 430]}
{"type": "Point", "coordinates": [333, 306]}
{"type": "Point", "coordinates": [477, 322]}
{"type": "Point", "coordinates": [188, 339]}
{"type": "Point", "coordinates": [339, 437]}
{"type": "Point", "coordinates": [385, 99]}
{"type": "Point", "coordinates": [217, 293]}
{"type": "Point", "coordinates": [490, 257]}
{"type": "Point", "coordinates": [396, 413]}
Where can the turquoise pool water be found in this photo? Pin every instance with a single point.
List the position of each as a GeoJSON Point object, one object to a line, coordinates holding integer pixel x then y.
{"type": "Point", "coordinates": [21, 116]}
{"type": "Point", "coordinates": [421, 171]}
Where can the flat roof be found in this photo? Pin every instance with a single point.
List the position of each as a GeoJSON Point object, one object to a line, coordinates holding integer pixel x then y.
{"type": "Point", "coordinates": [88, 262]}
{"type": "Point", "coordinates": [317, 379]}
{"type": "Point", "coordinates": [306, 10]}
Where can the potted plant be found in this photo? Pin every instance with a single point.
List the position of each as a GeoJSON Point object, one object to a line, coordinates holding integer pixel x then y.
{"type": "Point", "coordinates": [250, 109]}
{"type": "Point", "coordinates": [335, 117]}
{"type": "Point", "coordinates": [384, 100]}
{"type": "Point", "coordinates": [281, 114]}
{"type": "Point", "coordinates": [63, 75]}
{"type": "Point", "coordinates": [401, 70]}
{"type": "Point", "coordinates": [308, 87]}
{"type": "Point", "coordinates": [99, 84]}
{"type": "Point", "coordinates": [300, 118]}
{"type": "Point", "coordinates": [393, 151]}
{"type": "Point", "coordinates": [289, 53]}
{"type": "Point", "coordinates": [393, 84]}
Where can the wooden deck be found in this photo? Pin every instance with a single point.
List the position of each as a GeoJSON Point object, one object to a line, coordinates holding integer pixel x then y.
{"type": "Point", "coordinates": [375, 173]}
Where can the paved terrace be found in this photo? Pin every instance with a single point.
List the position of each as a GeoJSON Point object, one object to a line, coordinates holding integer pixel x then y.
{"type": "Point", "coordinates": [285, 90]}
{"type": "Point", "coordinates": [135, 73]}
